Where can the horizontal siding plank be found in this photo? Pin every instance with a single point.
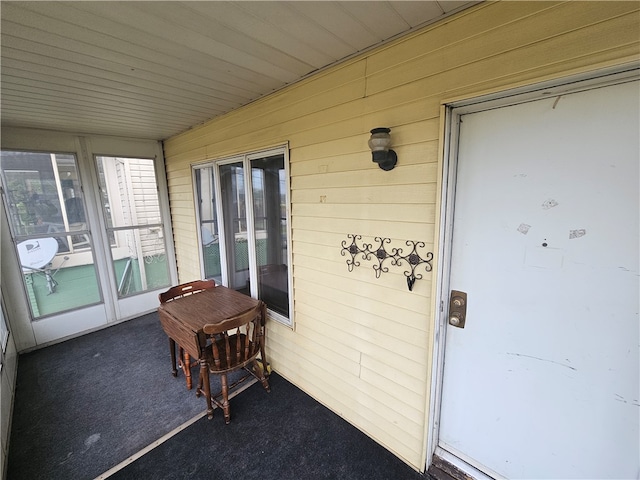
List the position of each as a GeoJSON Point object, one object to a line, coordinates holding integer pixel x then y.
{"type": "Point", "coordinates": [412, 379]}
{"type": "Point", "coordinates": [408, 154]}
{"type": "Point", "coordinates": [330, 239]}
{"type": "Point", "coordinates": [404, 105]}
{"type": "Point", "coordinates": [390, 353]}
{"type": "Point", "coordinates": [393, 282]}
{"type": "Point", "coordinates": [412, 213]}
{"type": "Point", "coordinates": [393, 116]}
{"type": "Point", "coordinates": [469, 23]}
{"type": "Point", "coordinates": [317, 328]}
{"type": "Point", "coordinates": [389, 194]}
{"type": "Point", "coordinates": [333, 361]}
{"type": "Point", "coordinates": [179, 185]}
{"type": "Point", "coordinates": [362, 300]}
{"type": "Point", "coordinates": [335, 123]}
{"type": "Point", "coordinates": [329, 148]}
{"type": "Point", "coordinates": [397, 396]}
{"type": "Point", "coordinates": [183, 160]}
{"type": "Point", "coordinates": [274, 122]}
{"type": "Point", "coordinates": [532, 54]}
{"type": "Point", "coordinates": [179, 173]}
{"type": "Point", "coordinates": [181, 196]}
{"type": "Point", "coordinates": [559, 21]}
{"type": "Point", "coordinates": [308, 329]}
{"type": "Point", "coordinates": [368, 228]}
{"type": "Point", "coordinates": [476, 48]}
{"type": "Point", "coordinates": [401, 175]}
{"type": "Point", "coordinates": [493, 71]}
{"type": "Point", "coordinates": [364, 273]}
{"type": "Point", "coordinates": [368, 334]}
{"type": "Point", "coordinates": [181, 213]}
{"type": "Point", "coordinates": [407, 314]}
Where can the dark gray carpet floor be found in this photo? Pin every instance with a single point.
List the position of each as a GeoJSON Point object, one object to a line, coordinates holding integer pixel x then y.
{"type": "Point", "coordinates": [282, 435]}
{"type": "Point", "coordinates": [87, 404]}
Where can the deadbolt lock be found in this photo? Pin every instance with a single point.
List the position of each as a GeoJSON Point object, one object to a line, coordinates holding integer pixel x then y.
{"type": "Point", "coordinates": [457, 309]}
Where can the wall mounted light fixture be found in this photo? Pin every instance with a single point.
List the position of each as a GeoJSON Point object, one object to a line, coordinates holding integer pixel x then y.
{"type": "Point", "coordinates": [379, 144]}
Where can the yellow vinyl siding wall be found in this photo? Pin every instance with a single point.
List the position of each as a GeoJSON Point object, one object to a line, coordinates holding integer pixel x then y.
{"type": "Point", "coordinates": [361, 345]}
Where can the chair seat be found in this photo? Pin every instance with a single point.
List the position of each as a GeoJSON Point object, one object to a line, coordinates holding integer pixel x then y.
{"type": "Point", "coordinates": [233, 345]}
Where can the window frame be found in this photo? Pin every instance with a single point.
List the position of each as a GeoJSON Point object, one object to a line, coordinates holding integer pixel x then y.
{"type": "Point", "coordinates": [245, 159]}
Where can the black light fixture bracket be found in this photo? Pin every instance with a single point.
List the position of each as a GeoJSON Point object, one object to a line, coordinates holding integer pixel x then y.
{"type": "Point", "coordinates": [381, 254]}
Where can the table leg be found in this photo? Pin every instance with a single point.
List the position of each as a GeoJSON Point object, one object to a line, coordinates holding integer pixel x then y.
{"type": "Point", "coordinates": [204, 379]}
{"type": "Point", "coordinates": [186, 368]}
{"type": "Point", "coordinates": [172, 349]}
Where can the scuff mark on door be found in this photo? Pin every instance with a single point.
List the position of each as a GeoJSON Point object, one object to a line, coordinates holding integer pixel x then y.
{"type": "Point", "coordinates": [542, 360]}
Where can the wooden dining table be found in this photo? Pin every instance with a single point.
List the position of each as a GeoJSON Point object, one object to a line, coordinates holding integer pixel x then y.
{"type": "Point", "coordinates": [183, 320]}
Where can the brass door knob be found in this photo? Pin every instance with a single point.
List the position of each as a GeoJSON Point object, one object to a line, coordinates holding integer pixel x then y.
{"type": "Point", "coordinates": [455, 319]}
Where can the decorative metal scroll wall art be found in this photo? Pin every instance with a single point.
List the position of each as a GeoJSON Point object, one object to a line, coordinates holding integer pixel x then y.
{"type": "Point", "coordinates": [380, 253]}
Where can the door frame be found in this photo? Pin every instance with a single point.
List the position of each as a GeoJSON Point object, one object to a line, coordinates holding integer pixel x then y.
{"type": "Point", "coordinates": [120, 309]}
{"type": "Point", "coordinates": [245, 159]}
{"type": "Point", "coordinates": [451, 112]}
{"type": "Point", "coordinates": [35, 334]}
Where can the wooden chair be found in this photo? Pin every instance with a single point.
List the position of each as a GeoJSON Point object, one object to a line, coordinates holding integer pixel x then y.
{"type": "Point", "coordinates": [180, 291]}
{"type": "Point", "coordinates": [235, 344]}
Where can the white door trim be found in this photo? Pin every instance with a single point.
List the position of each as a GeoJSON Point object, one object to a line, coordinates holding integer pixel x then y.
{"type": "Point", "coordinates": [452, 113]}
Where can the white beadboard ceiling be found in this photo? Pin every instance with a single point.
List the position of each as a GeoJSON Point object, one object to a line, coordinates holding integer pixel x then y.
{"type": "Point", "coordinates": [152, 69]}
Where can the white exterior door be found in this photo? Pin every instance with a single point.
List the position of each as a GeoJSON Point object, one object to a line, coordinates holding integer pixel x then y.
{"type": "Point", "coordinates": [543, 380]}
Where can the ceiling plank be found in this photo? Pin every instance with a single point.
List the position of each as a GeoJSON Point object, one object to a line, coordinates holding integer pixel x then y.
{"type": "Point", "coordinates": [156, 69]}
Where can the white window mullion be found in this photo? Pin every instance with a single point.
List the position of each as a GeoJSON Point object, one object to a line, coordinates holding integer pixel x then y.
{"type": "Point", "coordinates": [251, 231]}
{"type": "Point", "coordinates": [217, 186]}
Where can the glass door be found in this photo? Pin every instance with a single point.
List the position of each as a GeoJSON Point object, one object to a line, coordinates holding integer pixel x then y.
{"type": "Point", "coordinates": [131, 209]}
{"type": "Point", "coordinates": [52, 236]}
{"type": "Point", "coordinates": [242, 208]}
{"type": "Point", "coordinates": [234, 213]}
{"type": "Point", "coordinates": [208, 218]}
{"type": "Point", "coordinates": [269, 196]}
{"type": "Point", "coordinates": [91, 231]}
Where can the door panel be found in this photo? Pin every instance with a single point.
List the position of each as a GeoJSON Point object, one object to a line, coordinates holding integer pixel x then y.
{"type": "Point", "coordinates": [208, 219]}
{"type": "Point", "coordinates": [232, 181]}
{"type": "Point", "coordinates": [134, 224]}
{"type": "Point", "coordinates": [242, 209]}
{"type": "Point", "coordinates": [47, 215]}
{"type": "Point", "coordinates": [543, 380]}
{"type": "Point", "coordinates": [60, 326]}
{"type": "Point", "coordinates": [71, 255]}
